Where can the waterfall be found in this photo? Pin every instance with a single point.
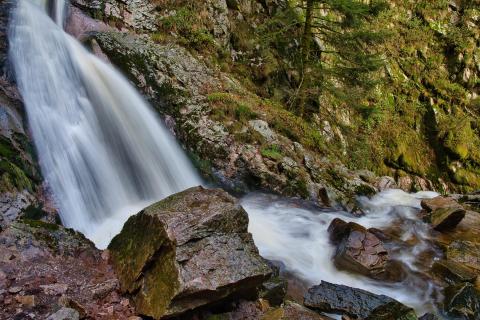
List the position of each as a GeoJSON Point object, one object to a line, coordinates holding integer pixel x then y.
{"type": "Point", "coordinates": [103, 152]}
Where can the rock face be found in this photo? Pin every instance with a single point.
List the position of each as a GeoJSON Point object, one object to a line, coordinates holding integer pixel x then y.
{"type": "Point", "coordinates": [328, 297]}
{"type": "Point", "coordinates": [358, 250]}
{"type": "Point", "coordinates": [186, 90]}
{"type": "Point", "coordinates": [186, 251]}
{"type": "Point", "coordinates": [452, 272]}
{"type": "Point", "coordinates": [443, 213]}
{"type": "Point", "coordinates": [45, 267]}
{"type": "Point", "coordinates": [463, 301]}
{"type": "Point", "coordinates": [465, 253]}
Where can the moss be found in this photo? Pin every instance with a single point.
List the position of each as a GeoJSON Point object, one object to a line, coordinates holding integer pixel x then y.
{"type": "Point", "coordinates": [33, 212]}
{"type": "Point", "coordinates": [41, 225]}
{"type": "Point", "coordinates": [12, 176]}
{"type": "Point", "coordinates": [272, 152]}
{"type": "Point", "coordinates": [365, 190]}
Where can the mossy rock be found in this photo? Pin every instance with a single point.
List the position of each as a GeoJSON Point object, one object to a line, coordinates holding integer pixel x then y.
{"type": "Point", "coordinates": [186, 251]}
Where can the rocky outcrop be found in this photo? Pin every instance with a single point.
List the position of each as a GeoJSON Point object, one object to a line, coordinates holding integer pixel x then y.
{"type": "Point", "coordinates": [462, 301]}
{"type": "Point", "coordinates": [47, 270]}
{"type": "Point", "coordinates": [328, 297]}
{"type": "Point", "coordinates": [452, 272]}
{"type": "Point", "coordinates": [184, 89]}
{"type": "Point", "coordinates": [465, 252]}
{"type": "Point", "coordinates": [189, 250]}
{"type": "Point", "coordinates": [443, 213]}
{"type": "Point", "coordinates": [358, 249]}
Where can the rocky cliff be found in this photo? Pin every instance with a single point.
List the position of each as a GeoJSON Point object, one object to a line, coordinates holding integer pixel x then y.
{"type": "Point", "coordinates": [224, 90]}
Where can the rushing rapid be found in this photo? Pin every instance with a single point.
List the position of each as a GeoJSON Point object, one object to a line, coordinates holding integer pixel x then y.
{"type": "Point", "coordinates": [296, 235]}
{"type": "Point", "coordinates": [103, 152]}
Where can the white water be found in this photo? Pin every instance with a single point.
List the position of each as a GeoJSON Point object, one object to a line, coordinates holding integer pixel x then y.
{"type": "Point", "coordinates": [297, 236]}
{"type": "Point", "coordinates": [102, 150]}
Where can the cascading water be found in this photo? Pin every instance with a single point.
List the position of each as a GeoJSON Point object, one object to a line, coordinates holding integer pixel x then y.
{"type": "Point", "coordinates": [296, 235]}
{"type": "Point", "coordinates": [103, 152]}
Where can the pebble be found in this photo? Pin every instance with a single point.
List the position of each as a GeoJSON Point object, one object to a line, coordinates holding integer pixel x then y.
{"type": "Point", "coordinates": [27, 301]}
{"type": "Point", "coordinates": [55, 289]}
{"type": "Point", "coordinates": [15, 289]}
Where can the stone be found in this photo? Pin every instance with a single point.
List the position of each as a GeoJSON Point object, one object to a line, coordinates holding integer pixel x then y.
{"type": "Point", "coordinates": [274, 290]}
{"type": "Point", "coordinates": [452, 272]}
{"type": "Point", "coordinates": [55, 289]}
{"type": "Point", "coordinates": [385, 183]}
{"type": "Point", "coordinates": [428, 316]}
{"type": "Point", "coordinates": [392, 311]}
{"type": "Point", "coordinates": [191, 249]}
{"type": "Point", "coordinates": [67, 302]}
{"type": "Point", "coordinates": [27, 301]}
{"type": "Point", "coordinates": [333, 298]}
{"type": "Point", "coordinates": [263, 129]}
{"type": "Point", "coordinates": [357, 249]}
{"type": "Point", "coordinates": [443, 213]}
{"type": "Point", "coordinates": [462, 300]}
{"type": "Point", "coordinates": [14, 289]}
{"type": "Point", "coordinates": [50, 261]}
{"type": "Point", "coordinates": [464, 252]}
{"type": "Point", "coordinates": [65, 314]}
{"type": "Point", "coordinates": [101, 290]}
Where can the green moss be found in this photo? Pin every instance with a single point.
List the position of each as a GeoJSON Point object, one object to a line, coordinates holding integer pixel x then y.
{"type": "Point", "coordinates": [41, 225]}
{"type": "Point", "coordinates": [272, 152]}
{"type": "Point", "coordinates": [12, 176]}
{"type": "Point", "coordinates": [33, 212]}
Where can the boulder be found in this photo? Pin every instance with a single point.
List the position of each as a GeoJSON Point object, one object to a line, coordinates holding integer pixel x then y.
{"type": "Point", "coordinates": [189, 250]}
{"type": "Point", "coordinates": [462, 301]}
{"type": "Point", "coordinates": [452, 272]}
{"type": "Point", "coordinates": [328, 297]}
{"type": "Point", "coordinates": [443, 213]}
{"type": "Point", "coordinates": [358, 250]}
{"type": "Point", "coordinates": [65, 314]}
{"type": "Point", "coordinates": [44, 266]}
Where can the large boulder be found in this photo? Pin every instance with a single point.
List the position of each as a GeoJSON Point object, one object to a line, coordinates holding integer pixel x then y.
{"type": "Point", "coordinates": [189, 250]}
{"type": "Point", "coordinates": [443, 213]}
{"type": "Point", "coordinates": [44, 267]}
{"type": "Point", "coordinates": [358, 249]}
{"type": "Point", "coordinates": [329, 297]}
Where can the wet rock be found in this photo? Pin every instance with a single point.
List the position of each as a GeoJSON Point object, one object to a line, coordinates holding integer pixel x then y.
{"type": "Point", "coordinates": [191, 249]}
{"type": "Point", "coordinates": [463, 301]}
{"type": "Point", "coordinates": [358, 250]}
{"type": "Point", "coordinates": [328, 297]}
{"type": "Point", "coordinates": [443, 213]}
{"type": "Point", "coordinates": [452, 272]}
{"type": "Point", "coordinates": [428, 316]}
{"type": "Point", "coordinates": [466, 253]}
{"type": "Point", "coordinates": [274, 290]}
{"type": "Point", "coordinates": [385, 183]}
{"type": "Point", "coordinates": [392, 311]}
{"type": "Point", "coordinates": [65, 314]}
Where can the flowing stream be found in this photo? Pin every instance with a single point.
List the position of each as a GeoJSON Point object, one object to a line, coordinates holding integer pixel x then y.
{"type": "Point", "coordinates": [102, 150]}
{"type": "Point", "coordinates": [295, 234]}
{"type": "Point", "coordinates": [105, 155]}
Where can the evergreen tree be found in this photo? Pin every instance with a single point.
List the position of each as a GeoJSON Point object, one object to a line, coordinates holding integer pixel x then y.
{"type": "Point", "coordinates": [337, 55]}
